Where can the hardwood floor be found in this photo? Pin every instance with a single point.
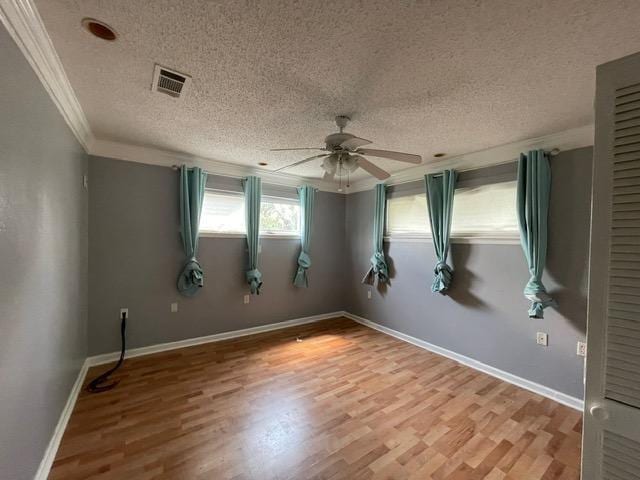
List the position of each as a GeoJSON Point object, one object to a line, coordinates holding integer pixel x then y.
{"type": "Point", "coordinates": [347, 402]}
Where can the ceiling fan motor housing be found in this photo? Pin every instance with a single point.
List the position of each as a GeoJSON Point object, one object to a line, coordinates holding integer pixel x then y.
{"type": "Point", "coordinates": [334, 140]}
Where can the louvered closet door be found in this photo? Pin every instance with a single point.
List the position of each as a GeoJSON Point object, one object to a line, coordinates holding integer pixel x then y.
{"type": "Point", "coordinates": [611, 445]}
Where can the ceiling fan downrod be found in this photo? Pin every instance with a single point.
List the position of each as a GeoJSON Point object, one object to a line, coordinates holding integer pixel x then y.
{"type": "Point", "coordinates": [341, 122]}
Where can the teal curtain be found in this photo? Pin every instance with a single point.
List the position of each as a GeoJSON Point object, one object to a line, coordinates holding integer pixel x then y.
{"type": "Point", "coordinates": [192, 182]}
{"type": "Point", "coordinates": [378, 269]}
{"type": "Point", "coordinates": [306, 195]}
{"type": "Point", "coordinates": [534, 185]}
{"type": "Point", "coordinates": [252, 197]}
{"type": "Point", "coordinates": [440, 190]}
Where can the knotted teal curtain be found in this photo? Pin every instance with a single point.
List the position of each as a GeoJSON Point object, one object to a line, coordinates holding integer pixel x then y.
{"type": "Point", "coordinates": [252, 196]}
{"type": "Point", "coordinates": [192, 182]}
{"type": "Point", "coordinates": [534, 185]}
{"type": "Point", "coordinates": [440, 189]}
{"type": "Point", "coordinates": [307, 196]}
{"type": "Point", "coordinates": [378, 267]}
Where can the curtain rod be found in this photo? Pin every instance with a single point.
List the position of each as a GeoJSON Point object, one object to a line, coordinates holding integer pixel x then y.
{"type": "Point", "coordinates": [177, 167]}
{"type": "Point", "coordinates": [553, 152]}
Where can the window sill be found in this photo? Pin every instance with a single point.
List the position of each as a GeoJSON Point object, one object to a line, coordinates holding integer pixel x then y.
{"type": "Point", "coordinates": [271, 236]}
{"type": "Point", "coordinates": [507, 239]}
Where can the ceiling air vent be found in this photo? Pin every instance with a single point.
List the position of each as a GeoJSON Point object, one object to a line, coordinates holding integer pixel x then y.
{"type": "Point", "coordinates": [170, 82]}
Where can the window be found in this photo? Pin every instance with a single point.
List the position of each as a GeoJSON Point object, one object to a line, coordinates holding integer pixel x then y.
{"type": "Point", "coordinates": [485, 211]}
{"type": "Point", "coordinates": [407, 215]}
{"type": "Point", "coordinates": [279, 216]}
{"type": "Point", "coordinates": [223, 212]}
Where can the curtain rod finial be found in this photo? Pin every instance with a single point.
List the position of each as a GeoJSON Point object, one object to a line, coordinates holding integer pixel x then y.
{"type": "Point", "coordinates": [554, 152]}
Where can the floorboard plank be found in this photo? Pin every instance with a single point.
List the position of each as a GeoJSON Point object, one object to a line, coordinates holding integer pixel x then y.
{"type": "Point", "coordinates": [347, 402]}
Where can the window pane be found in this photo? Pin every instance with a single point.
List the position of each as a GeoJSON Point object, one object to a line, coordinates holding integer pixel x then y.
{"type": "Point", "coordinates": [485, 210]}
{"type": "Point", "coordinates": [408, 215]}
{"type": "Point", "coordinates": [489, 209]}
{"type": "Point", "coordinates": [222, 212]}
{"type": "Point", "coordinates": [279, 216]}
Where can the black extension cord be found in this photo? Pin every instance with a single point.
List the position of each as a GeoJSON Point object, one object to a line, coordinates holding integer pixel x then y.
{"type": "Point", "coordinates": [96, 385]}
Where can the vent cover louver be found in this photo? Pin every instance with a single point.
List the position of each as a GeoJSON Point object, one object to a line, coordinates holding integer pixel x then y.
{"type": "Point", "coordinates": [170, 82]}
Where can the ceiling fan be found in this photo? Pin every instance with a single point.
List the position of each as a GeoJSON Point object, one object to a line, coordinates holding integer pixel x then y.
{"type": "Point", "coordinates": [344, 155]}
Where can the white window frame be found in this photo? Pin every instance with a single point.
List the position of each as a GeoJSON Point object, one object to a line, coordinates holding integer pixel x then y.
{"type": "Point", "coordinates": [269, 235]}
{"type": "Point", "coordinates": [479, 237]}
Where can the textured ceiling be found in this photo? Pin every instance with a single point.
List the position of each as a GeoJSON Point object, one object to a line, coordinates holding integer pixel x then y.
{"type": "Point", "coordinates": [417, 76]}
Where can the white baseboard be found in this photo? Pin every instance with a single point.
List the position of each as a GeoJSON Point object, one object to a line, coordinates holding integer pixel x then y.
{"type": "Point", "coordinates": [559, 397]}
{"type": "Point", "coordinates": [50, 454]}
{"type": "Point", "coordinates": [54, 443]}
{"type": "Point", "coordinates": [163, 347]}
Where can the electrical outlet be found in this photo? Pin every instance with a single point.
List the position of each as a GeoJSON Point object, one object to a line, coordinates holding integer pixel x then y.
{"type": "Point", "coordinates": [369, 294]}
{"type": "Point", "coordinates": [542, 339]}
{"type": "Point", "coordinates": [124, 311]}
{"type": "Point", "coordinates": [174, 307]}
{"type": "Point", "coordinates": [581, 350]}
{"type": "Point", "coordinates": [247, 298]}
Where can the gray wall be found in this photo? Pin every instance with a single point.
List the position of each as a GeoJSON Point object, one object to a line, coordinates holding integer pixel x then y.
{"type": "Point", "coordinates": [43, 264]}
{"type": "Point", "coordinates": [484, 316]}
{"type": "Point", "coordinates": [135, 257]}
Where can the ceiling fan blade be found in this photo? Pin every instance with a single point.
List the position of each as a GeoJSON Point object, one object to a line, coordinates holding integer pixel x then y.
{"type": "Point", "coordinates": [399, 156]}
{"type": "Point", "coordinates": [328, 176]}
{"type": "Point", "coordinates": [302, 161]}
{"type": "Point", "coordinates": [293, 149]}
{"type": "Point", "coordinates": [355, 142]}
{"type": "Point", "coordinates": [371, 168]}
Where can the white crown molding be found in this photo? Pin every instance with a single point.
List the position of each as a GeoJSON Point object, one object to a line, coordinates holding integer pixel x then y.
{"type": "Point", "coordinates": [534, 387]}
{"type": "Point", "coordinates": [567, 140]}
{"type": "Point", "coordinates": [166, 158]}
{"type": "Point", "coordinates": [23, 22]}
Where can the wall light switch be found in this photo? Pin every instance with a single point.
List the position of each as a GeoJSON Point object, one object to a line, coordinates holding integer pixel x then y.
{"type": "Point", "coordinates": [368, 293]}
{"type": "Point", "coordinates": [247, 298]}
{"type": "Point", "coordinates": [582, 349]}
{"type": "Point", "coordinates": [542, 339]}
{"type": "Point", "coordinates": [85, 182]}
{"type": "Point", "coordinates": [174, 307]}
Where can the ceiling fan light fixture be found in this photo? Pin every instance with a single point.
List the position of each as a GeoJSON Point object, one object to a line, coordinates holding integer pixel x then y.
{"type": "Point", "coordinates": [99, 29]}
{"type": "Point", "coordinates": [350, 164]}
{"type": "Point", "coordinates": [330, 164]}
